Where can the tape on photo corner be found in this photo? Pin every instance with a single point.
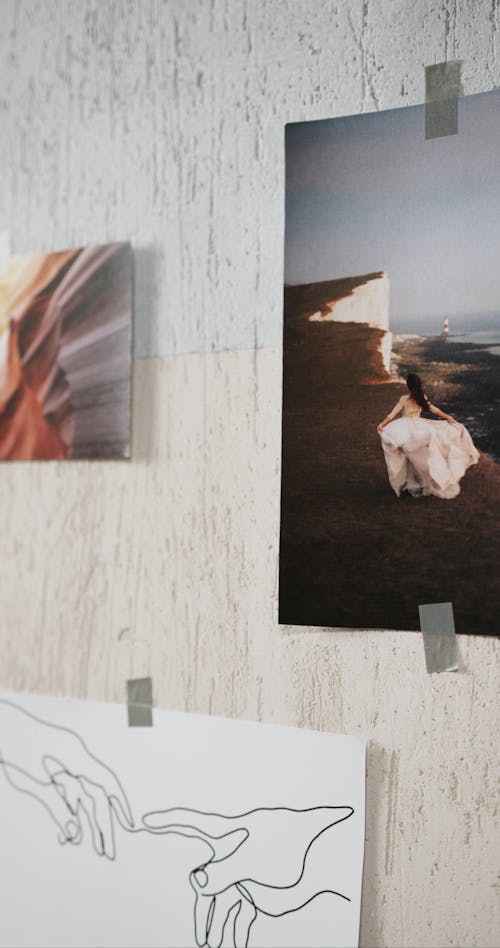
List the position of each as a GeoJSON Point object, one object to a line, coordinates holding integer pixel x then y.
{"type": "Point", "coordinates": [443, 86]}
{"type": "Point", "coordinates": [440, 641]}
{"type": "Point", "coordinates": [140, 702]}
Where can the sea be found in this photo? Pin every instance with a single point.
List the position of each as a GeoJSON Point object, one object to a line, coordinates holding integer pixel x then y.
{"type": "Point", "coordinates": [484, 422]}
{"type": "Point", "coordinates": [484, 337]}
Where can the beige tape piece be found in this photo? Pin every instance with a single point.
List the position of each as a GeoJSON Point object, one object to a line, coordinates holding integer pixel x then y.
{"type": "Point", "coordinates": [440, 641]}
{"type": "Point", "coordinates": [443, 86]}
{"type": "Point", "coordinates": [140, 702]}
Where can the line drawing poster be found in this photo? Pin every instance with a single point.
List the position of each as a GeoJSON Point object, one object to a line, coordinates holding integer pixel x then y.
{"type": "Point", "coordinates": [197, 831]}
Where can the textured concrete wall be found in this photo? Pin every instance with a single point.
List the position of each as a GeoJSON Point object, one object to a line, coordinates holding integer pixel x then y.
{"type": "Point", "coordinates": [163, 123]}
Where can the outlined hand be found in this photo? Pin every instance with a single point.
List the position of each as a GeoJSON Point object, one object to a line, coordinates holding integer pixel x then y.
{"type": "Point", "coordinates": [214, 913]}
{"type": "Point", "coordinates": [258, 864]}
{"type": "Point", "coordinates": [53, 765]}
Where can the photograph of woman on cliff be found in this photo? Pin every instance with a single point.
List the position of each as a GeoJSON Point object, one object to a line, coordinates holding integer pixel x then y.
{"type": "Point", "coordinates": [390, 491]}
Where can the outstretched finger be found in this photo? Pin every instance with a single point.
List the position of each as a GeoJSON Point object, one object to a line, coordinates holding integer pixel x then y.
{"type": "Point", "coordinates": [212, 824]}
{"type": "Point", "coordinates": [221, 833]}
{"type": "Point", "coordinates": [122, 810]}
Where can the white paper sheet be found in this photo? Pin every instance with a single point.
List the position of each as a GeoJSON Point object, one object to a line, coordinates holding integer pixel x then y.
{"type": "Point", "coordinates": [197, 831]}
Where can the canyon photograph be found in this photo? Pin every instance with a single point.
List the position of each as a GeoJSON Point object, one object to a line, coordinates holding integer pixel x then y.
{"type": "Point", "coordinates": [390, 491]}
{"type": "Point", "coordinates": [65, 354]}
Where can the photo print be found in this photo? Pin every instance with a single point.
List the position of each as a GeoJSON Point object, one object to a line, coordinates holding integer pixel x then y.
{"type": "Point", "coordinates": [391, 383]}
{"type": "Point", "coordinates": [65, 354]}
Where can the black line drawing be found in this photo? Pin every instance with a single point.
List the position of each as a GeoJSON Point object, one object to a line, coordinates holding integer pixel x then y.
{"type": "Point", "coordinates": [258, 859]}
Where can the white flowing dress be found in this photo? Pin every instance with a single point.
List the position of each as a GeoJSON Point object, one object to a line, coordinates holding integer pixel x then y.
{"type": "Point", "coordinates": [424, 456]}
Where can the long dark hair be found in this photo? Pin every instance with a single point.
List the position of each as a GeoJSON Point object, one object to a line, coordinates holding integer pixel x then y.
{"type": "Point", "coordinates": [415, 388]}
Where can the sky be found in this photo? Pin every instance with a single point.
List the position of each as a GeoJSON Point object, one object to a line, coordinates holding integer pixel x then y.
{"type": "Point", "coordinates": [368, 192]}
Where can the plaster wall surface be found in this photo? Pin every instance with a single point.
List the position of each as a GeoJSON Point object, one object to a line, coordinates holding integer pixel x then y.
{"type": "Point", "coordinates": [162, 122]}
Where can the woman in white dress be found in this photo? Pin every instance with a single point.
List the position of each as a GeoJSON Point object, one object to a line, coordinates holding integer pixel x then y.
{"type": "Point", "coordinates": [424, 456]}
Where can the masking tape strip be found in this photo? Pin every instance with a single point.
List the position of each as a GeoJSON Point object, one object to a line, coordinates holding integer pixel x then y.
{"type": "Point", "coordinates": [440, 642]}
{"type": "Point", "coordinates": [443, 85]}
{"type": "Point", "coordinates": [140, 702]}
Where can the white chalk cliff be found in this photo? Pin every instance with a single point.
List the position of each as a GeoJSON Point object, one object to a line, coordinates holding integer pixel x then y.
{"type": "Point", "coordinates": [367, 303]}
